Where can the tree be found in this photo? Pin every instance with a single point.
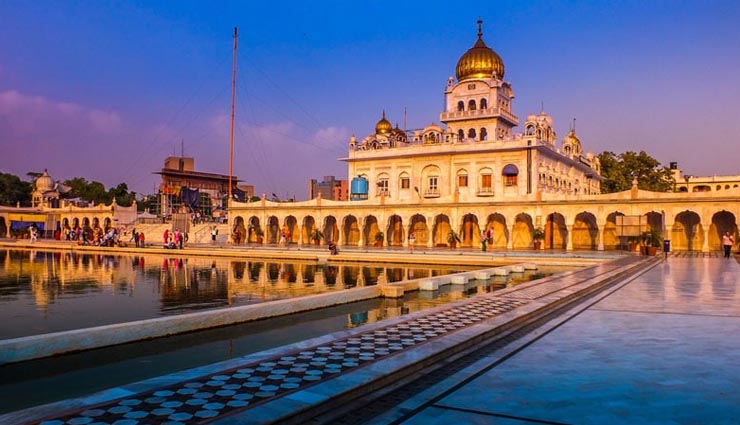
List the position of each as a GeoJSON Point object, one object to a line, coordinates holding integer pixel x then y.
{"type": "Point", "coordinates": [14, 190]}
{"type": "Point", "coordinates": [618, 171]}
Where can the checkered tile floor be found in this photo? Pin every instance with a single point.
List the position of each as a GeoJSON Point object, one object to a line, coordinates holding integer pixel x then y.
{"type": "Point", "coordinates": [244, 387]}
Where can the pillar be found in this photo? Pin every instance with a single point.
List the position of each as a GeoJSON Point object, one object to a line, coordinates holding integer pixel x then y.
{"type": "Point", "coordinates": [569, 238]}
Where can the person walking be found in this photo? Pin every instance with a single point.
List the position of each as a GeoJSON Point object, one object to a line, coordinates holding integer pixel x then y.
{"type": "Point", "coordinates": [727, 243]}
{"type": "Point", "coordinates": [412, 240]}
{"type": "Point", "coordinates": [214, 233]}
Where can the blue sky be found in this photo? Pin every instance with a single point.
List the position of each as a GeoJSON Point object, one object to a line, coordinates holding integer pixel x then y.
{"type": "Point", "coordinates": [106, 90]}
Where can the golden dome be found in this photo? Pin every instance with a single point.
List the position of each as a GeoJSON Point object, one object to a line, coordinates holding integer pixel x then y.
{"type": "Point", "coordinates": [383, 126]}
{"type": "Point", "coordinates": [44, 183]}
{"type": "Point", "coordinates": [480, 61]}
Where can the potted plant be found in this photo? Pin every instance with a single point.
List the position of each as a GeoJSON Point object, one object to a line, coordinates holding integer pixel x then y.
{"type": "Point", "coordinates": [453, 238]}
{"type": "Point", "coordinates": [538, 235]}
{"type": "Point", "coordinates": [259, 234]}
{"type": "Point", "coordinates": [379, 236]}
{"type": "Point", "coordinates": [316, 236]}
{"type": "Point", "coordinates": [632, 242]}
{"type": "Point", "coordinates": [650, 241]}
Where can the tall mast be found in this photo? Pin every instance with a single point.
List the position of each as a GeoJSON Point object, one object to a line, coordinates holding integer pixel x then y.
{"type": "Point", "coordinates": [233, 104]}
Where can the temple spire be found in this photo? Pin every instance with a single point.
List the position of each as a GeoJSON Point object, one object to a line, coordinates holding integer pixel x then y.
{"type": "Point", "coordinates": [480, 29]}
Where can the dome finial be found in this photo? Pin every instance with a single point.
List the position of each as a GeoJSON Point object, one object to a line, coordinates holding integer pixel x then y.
{"type": "Point", "coordinates": [480, 29]}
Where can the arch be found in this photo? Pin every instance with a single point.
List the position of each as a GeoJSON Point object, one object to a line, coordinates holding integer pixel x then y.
{"type": "Point", "coordinates": [404, 180]}
{"type": "Point", "coordinates": [273, 230]}
{"type": "Point", "coordinates": [471, 133]}
{"type": "Point", "coordinates": [371, 229]}
{"type": "Point", "coordinates": [307, 228]}
{"type": "Point", "coordinates": [471, 104]}
{"type": "Point", "coordinates": [107, 223]}
{"type": "Point", "coordinates": [483, 133]}
{"type": "Point", "coordinates": [418, 224]}
{"type": "Point", "coordinates": [521, 235]}
{"type": "Point", "coordinates": [483, 103]}
{"type": "Point", "coordinates": [462, 178]}
{"type": "Point", "coordinates": [253, 229]}
{"type": "Point", "coordinates": [431, 177]}
{"type": "Point", "coordinates": [331, 230]}
{"type": "Point", "coordinates": [530, 130]}
{"type": "Point", "coordinates": [722, 221]}
{"type": "Point", "coordinates": [497, 223]}
{"type": "Point", "coordinates": [510, 173]}
{"type": "Point", "coordinates": [440, 229]}
{"type": "Point", "coordinates": [291, 226]}
{"type": "Point", "coordinates": [461, 135]}
{"type": "Point", "coordinates": [95, 223]}
{"type": "Point", "coordinates": [240, 228]}
{"type": "Point", "coordinates": [395, 234]}
{"type": "Point", "coordinates": [611, 236]}
{"type": "Point", "coordinates": [75, 223]}
{"type": "Point", "coordinates": [585, 232]}
{"type": "Point", "coordinates": [469, 230]}
{"type": "Point", "coordinates": [460, 106]}
{"type": "Point", "coordinates": [556, 233]}
{"type": "Point", "coordinates": [687, 233]}
{"type": "Point", "coordinates": [85, 222]}
{"type": "Point", "coordinates": [351, 231]}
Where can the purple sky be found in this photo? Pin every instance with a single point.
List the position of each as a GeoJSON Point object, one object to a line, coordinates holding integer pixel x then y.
{"type": "Point", "coordinates": [106, 90]}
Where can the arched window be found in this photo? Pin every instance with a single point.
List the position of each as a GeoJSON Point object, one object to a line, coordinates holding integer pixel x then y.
{"type": "Point", "coordinates": [485, 187]}
{"type": "Point", "coordinates": [719, 187]}
{"type": "Point", "coordinates": [404, 181]}
{"type": "Point", "coordinates": [471, 105]}
{"type": "Point", "coordinates": [462, 178]}
{"type": "Point", "coordinates": [460, 135]}
{"type": "Point", "coordinates": [510, 173]}
{"type": "Point", "coordinates": [471, 133]}
{"type": "Point", "coordinates": [483, 103]}
{"type": "Point", "coordinates": [430, 180]}
{"type": "Point", "coordinates": [483, 134]}
{"type": "Point", "coordinates": [530, 130]}
{"type": "Point", "coordinates": [460, 106]}
{"type": "Point", "coordinates": [383, 188]}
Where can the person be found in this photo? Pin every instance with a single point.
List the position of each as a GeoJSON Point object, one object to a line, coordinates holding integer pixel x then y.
{"type": "Point", "coordinates": [214, 232]}
{"type": "Point", "coordinates": [333, 248]}
{"type": "Point", "coordinates": [141, 240]}
{"type": "Point", "coordinates": [166, 236]}
{"type": "Point", "coordinates": [412, 240]}
{"type": "Point", "coordinates": [727, 243]}
{"type": "Point", "coordinates": [483, 240]}
{"type": "Point", "coordinates": [135, 236]}
{"type": "Point", "coordinates": [283, 239]}
{"type": "Point", "coordinates": [32, 231]}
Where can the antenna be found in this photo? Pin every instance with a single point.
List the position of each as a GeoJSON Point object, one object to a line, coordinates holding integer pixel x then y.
{"type": "Point", "coordinates": [404, 119]}
{"type": "Point", "coordinates": [574, 124]}
{"type": "Point", "coordinates": [182, 148]}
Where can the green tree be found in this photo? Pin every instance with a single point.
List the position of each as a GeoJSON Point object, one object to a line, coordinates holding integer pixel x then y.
{"type": "Point", "coordinates": [14, 190]}
{"type": "Point", "coordinates": [88, 191]}
{"type": "Point", "coordinates": [618, 171]}
{"type": "Point", "coordinates": [121, 194]}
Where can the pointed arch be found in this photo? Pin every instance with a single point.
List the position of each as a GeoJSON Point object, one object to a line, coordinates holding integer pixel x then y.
{"type": "Point", "coordinates": [418, 224]}
{"type": "Point", "coordinates": [585, 231]}
{"type": "Point", "coordinates": [687, 233]}
{"type": "Point", "coordinates": [522, 232]}
{"type": "Point", "coordinates": [556, 232]}
{"type": "Point", "coordinates": [395, 233]}
{"type": "Point", "coordinates": [497, 223]}
{"type": "Point", "coordinates": [440, 229]}
{"type": "Point", "coordinates": [351, 230]}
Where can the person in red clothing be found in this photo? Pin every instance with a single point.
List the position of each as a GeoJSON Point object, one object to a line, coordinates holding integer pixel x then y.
{"type": "Point", "coordinates": [141, 241]}
{"type": "Point", "coordinates": [166, 236]}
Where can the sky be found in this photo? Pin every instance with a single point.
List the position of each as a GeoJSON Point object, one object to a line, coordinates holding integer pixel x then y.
{"type": "Point", "coordinates": [106, 90]}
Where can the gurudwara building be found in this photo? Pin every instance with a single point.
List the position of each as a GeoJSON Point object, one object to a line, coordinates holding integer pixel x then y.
{"type": "Point", "coordinates": [472, 174]}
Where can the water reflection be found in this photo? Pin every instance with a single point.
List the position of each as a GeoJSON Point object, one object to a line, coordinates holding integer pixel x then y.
{"type": "Point", "coordinates": [44, 292]}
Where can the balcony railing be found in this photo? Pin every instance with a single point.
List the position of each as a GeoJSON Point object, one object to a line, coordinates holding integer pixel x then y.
{"type": "Point", "coordinates": [431, 193]}
{"type": "Point", "coordinates": [485, 191]}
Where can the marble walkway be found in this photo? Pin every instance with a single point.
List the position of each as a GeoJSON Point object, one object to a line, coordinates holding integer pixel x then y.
{"type": "Point", "coordinates": [264, 387]}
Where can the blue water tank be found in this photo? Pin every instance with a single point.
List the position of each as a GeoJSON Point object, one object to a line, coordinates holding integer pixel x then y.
{"type": "Point", "coordinates": [358, 189]}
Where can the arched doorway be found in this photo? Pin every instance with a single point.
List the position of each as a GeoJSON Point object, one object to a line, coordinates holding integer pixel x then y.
{"type": "Point", "coordinates": [273, 230]}
{"type": "Point", "coordinates": [421, 232]}
{"type": "Point", "coordinates": [331, 230]}
{"type": "Point", "coordinates": [556, 233]}
{"type": "Point", "coordinates": [107, 224]}
{"type": "Point", "coordinates": [309, 225]}
{"type": "Point", "coordinates": [497, 223]}
{"type": "Point", "coordinates": [291, 227]}
{"type": "Point", "coordinates": [239, 231]}
{"type": "Point", "coordinates": [687, 233]}
{"type": "Point", "coordinates": [371, 229]}
{"type": "Point", "coordinates": [585, 232]}
{"type": "Point", "coordinates": [469, 230]}
{"type": "Point", "coordinates": [611, 236]}
{"type": "Point", "coordinates": [722, 221]}
{"type": "Point", "coordinates": [351, 230]}
{"type": "Point", "coordinates": [521, 236]}
{"type": "Point", "coordinates": [255, 231]}
{"type": "Point", "coordinates": [395, 234]}
{"type": "Point", "coordinates": [441, 230]}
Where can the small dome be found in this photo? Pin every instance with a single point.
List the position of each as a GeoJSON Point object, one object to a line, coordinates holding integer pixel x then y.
{"type": "Point", "coordinates": [383, 126]}
{"type": "Point", "coordinates": [572, 138]}
{"type": "Point", "coordinates": [44, 183]}
{"type": "Point", "coordinates": [480, 61]}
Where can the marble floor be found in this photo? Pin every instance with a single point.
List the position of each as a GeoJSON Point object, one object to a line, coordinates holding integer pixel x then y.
{"type": "Point", "coordinates": [662, 349]}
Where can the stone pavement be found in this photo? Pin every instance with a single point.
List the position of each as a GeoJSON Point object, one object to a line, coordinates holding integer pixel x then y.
{"type": "Point", "coordinates": [661, 349]}
{"type": "Point", "coordinates": [280, 384]}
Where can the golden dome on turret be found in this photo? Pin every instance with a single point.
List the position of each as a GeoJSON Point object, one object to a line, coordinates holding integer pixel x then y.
{"type": "Point", "coordinates": [383, 126]}
{"type": "Point", "coordinates": [480, 61]}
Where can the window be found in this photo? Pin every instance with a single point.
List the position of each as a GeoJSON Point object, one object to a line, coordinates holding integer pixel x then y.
{"type": "Point", "coordinates": [460, 106]}
{"type": "Point", "coordinates": [486, 182]}
{"type": "Point", "coordinates": [483, 103]}
{"type": "Point", "coordinates": [405, 183]}
{"type": "Point", "coordinates": [483, 134]}
{"type": "Point", "coordinates": [383, 187]}
{"type": "Point", "coordinates": [471, 105]}
{"type": "Point", "coordinates": [471, 133]}
{"type": "Point", "coordinates": [432, 186]}
{"type": "Point", "coordinates": [510, 173]}
{"type": "Point", "coordinates": [462, 179]}
{"type": "Point", "coordinates": [461, 135]}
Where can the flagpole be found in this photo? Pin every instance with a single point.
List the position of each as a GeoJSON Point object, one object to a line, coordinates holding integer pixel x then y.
{"type": "Point", "coordinates": [233, 104]}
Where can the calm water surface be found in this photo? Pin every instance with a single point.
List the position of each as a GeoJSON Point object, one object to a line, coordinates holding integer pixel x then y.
{"type": "Point", "coordinates": [42, 292]}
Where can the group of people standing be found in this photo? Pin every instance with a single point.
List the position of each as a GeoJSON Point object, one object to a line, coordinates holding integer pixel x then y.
{"type": "Point", "coordinates": [175, 239]}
